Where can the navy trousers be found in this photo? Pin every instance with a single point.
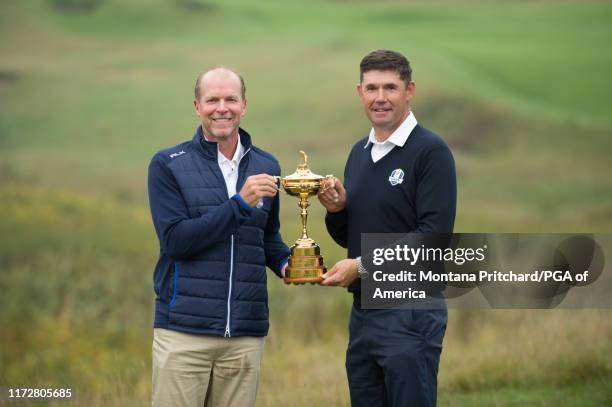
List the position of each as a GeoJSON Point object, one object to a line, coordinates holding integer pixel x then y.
{"type": "Point", "coordinates": [393, 356]}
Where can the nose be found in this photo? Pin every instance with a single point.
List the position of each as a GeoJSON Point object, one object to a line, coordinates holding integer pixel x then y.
{"type": "Point", "coordinates": [221, 107]}
{"type": "Point", "coordinates": [380, 96]}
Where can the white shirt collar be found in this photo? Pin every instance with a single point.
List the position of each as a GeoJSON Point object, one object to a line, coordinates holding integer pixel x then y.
{"type": "Point", "coordinates": [237, 154]}
{"type": "Point", "coordinates": [399, 136]}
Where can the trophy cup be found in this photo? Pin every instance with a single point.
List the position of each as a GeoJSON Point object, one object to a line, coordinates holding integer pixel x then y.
{"type": "Point", "coordinates": [305, 263]}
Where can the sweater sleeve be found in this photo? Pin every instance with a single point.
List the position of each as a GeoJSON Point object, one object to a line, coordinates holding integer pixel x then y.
{"type": "Point", "coordinates": [337, 226]}
{"type": "Point", "coordinates": [337, 222]}
{"type": "Point", "coordinates": [436, 195]}
{"type": "Point", "coordinates": [181, 236]}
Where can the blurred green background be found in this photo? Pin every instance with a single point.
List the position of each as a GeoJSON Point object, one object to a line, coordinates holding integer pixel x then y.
{"type": "Point", "coordinates": [91, 89]}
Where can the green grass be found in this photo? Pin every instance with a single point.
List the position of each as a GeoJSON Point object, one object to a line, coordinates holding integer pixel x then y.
{"type": "Point", "coordinates": [520, 92]}
{"type": "Point", "coordinates": [583, 394]}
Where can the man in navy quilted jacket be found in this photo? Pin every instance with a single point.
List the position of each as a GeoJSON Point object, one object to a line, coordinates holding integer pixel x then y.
{"type": "Point", "coordinates": [215, 205]}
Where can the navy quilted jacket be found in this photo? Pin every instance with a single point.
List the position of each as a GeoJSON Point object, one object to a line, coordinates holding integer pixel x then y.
{"type": "Point", "coordinates": [211, 274]}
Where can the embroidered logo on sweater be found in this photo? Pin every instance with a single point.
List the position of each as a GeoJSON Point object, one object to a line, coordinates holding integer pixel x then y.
{"type": "Point", "coordinates": [396, 177]}
{"type": "Point", "coordinates": [177, 154]}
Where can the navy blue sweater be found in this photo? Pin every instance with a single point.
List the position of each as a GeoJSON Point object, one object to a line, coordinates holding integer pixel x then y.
{"type": "Point", "coordinates": [377, 202]}
{"type": "Point", "coordinates": [210, 277]}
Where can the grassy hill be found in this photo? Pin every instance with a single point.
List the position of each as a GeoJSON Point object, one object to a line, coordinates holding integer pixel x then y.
{"type": "Point", "coordinates": [90, 90]}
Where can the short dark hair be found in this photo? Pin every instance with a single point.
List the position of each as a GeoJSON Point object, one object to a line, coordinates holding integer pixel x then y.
{"type": "Point", "coordinates": [384, 59]}
{"type": "Point", "coordinates": [196, 91]}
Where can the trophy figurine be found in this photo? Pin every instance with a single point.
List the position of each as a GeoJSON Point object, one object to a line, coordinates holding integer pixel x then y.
{"type": "Point", "coordinates": [305, 263]}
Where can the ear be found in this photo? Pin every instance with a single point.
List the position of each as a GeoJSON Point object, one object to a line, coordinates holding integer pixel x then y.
{"type": "Point", "coordinates": [361, 93]}
{"type": "Point", "coordinates": [411, 89]}
{"type": "Point", "coordinates": [196, 106]}
{"type": "Point", "coordinates": [244, 108]}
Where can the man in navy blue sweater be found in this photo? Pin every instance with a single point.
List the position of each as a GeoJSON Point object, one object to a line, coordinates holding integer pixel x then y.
{"type": "Point", "coordinates": [215, 206]}
{"type": "Point", "coordinates": [399, 179]}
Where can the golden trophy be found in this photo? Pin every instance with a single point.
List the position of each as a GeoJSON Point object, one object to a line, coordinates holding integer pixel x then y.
{"type": "Point", "coordinates": [305, 263]}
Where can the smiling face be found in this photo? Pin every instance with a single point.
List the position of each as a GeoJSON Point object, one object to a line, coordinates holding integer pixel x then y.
{"type": "Point", "coordinates": [386, 100]}
{"type": "Point", "coordinates": [221, 104]}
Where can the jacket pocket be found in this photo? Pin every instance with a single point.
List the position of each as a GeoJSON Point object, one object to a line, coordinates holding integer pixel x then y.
{"type": "Point", "coordinates": [174, 283]}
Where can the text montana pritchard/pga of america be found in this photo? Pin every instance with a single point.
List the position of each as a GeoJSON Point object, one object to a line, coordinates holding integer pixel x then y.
{"type": "Point", "coordinates": [482, 276]}
{"type": "Point", "coordinates": [402, 256]}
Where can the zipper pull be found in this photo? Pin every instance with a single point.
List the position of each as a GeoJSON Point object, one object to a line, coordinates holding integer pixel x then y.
{"type": "Point", "coordinates": [227, 332]}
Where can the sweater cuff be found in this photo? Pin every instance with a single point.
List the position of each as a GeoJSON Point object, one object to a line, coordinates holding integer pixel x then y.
{"type": "Point", "coordinates": [336, 218]}
{"type": "Point", "coordinates": [242, 203]}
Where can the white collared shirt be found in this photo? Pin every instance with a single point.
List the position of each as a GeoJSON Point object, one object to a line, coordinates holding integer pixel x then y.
{"type": "Point", "coordinates": [229, 168]}
{"type": "Point", "coordinates": [397, 138]}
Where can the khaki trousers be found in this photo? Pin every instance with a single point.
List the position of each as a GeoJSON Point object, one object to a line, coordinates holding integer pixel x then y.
{"type": "Point", "coordinates": [204, 370]}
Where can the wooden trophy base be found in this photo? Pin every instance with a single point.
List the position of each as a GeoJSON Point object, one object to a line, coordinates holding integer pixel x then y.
{"type": "Point", "coordinates": [305, 263]}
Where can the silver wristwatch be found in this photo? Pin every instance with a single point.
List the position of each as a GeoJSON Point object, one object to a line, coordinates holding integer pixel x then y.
{"type": "Point", "coordinates": [363, 273]}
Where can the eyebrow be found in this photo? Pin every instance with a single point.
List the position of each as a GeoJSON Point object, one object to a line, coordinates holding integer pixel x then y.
{"type": "Point", "coordinates": [215, 97]}
{"type": "Point", "coordinates": [389, 85]}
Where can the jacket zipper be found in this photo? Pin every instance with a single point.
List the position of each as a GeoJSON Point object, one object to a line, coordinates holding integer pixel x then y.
{"type": "Point", "coordinates": [243, 154]}
{"type": "Point", "coordinates": [228, 333]}
{"type": "Point", "coordinates": [229, 294]}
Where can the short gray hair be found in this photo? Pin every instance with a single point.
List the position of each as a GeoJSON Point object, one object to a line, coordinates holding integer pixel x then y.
{"type": "Point", "coordinates": [196, 91]}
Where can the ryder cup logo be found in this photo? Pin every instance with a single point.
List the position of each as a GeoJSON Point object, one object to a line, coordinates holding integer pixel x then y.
{"type": "Point", "coordinates": [396, 177]}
